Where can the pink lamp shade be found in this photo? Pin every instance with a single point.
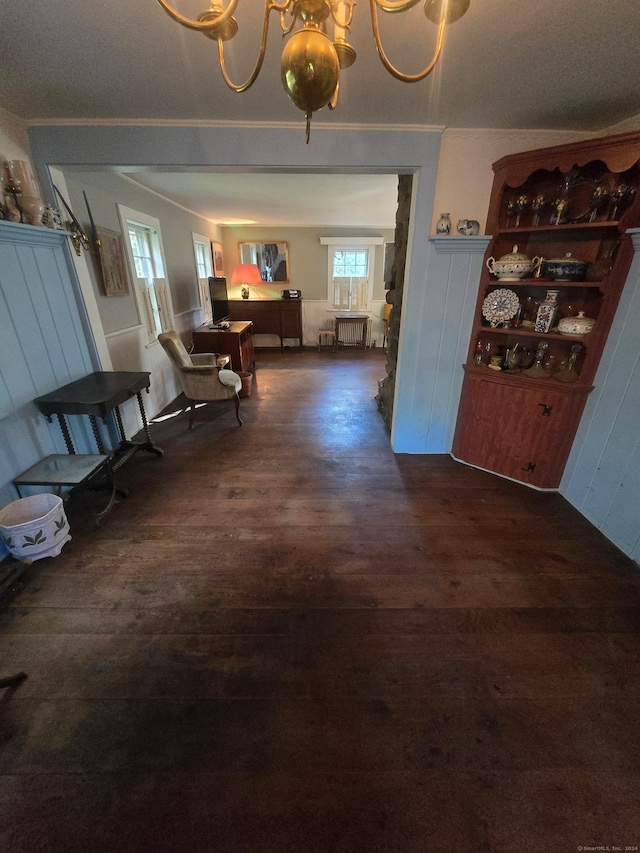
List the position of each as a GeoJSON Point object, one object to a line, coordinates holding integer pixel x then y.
{"type": "Point", "coordinates": [246, 274]}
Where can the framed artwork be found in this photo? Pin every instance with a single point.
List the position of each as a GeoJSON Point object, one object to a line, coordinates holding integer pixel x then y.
{"type": "Point", "coordinates": [218, 262]}
{"type": "Point", "coordinates": [272, 259]}
{"type": "Point", "coordinates": [112, 263]}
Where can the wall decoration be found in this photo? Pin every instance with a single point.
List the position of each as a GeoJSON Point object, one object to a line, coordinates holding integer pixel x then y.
{"type": "Point", "coordinates": [218, 262]}
{"type": "Point", "coordinates": [272, 259]}
{"type": "Point", "coordinates": [112, 263]}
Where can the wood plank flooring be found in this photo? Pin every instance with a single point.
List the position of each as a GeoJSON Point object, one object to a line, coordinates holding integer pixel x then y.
{"type": "Point", "coordinates": [288, 639]}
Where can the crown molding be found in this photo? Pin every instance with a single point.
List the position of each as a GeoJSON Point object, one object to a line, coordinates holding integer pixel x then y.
{"type": "Point", "coordinates": [284, 125]}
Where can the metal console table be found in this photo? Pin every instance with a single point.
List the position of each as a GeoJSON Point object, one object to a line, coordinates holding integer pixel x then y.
{"type": "Point", "coordinates": [79, 471]}
{"type": "Point", "coordinates": [96, 395]}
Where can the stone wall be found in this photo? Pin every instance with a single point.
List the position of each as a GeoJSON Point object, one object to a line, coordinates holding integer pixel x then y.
{"type": "Point", "coordinates": [386, 386]}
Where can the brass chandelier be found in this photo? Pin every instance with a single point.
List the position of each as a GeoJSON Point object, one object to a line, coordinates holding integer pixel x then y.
{"type": "Point", "coordinates": [312, 59]}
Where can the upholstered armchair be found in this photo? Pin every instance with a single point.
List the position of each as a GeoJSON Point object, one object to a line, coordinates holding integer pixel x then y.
{"type": "Point", "coordinates": [202, 380]}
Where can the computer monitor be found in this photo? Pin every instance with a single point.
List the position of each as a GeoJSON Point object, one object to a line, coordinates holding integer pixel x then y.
{"type": "Point", "coordinates": [219, 299]}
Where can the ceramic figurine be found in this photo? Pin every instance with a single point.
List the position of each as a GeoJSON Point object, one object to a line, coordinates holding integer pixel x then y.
{"type": "Point", "coordinates": [468, 227]}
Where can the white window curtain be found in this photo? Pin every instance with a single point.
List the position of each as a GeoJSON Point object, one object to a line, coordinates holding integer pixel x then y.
{"type": "Point", "coordinates": [351, 271]}
{"type": "Point", "coordinates": [350, 293]}
{"type": "Point", "coordinates": [203, 255]}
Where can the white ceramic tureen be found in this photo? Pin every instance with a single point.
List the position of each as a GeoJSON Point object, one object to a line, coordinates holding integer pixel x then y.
{"type": "Point", "coordinates": [513, 266]}
{"type": "Point", "coordinates": [576, 326]}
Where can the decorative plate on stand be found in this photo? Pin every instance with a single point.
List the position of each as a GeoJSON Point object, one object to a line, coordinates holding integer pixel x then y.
{"type": "Point", "coordinates": [500, 305]}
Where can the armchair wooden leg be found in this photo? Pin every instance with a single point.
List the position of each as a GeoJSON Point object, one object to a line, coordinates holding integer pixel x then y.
{"type": "Point", "coordinates": [238, 410]}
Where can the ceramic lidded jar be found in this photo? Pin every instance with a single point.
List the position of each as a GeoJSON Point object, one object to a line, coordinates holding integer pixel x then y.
{"type": "Point", "coordinates": [576, 326]}
{"type": "Point", "coordinates": [565, 269]}
{"type": "Point", "coordinates": [512, 266]}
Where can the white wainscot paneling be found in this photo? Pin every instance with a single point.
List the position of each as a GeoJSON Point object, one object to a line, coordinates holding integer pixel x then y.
{"type": "Point", "coordinates": [129, 350]}
{"type": "Point", "coordinates": [42, 347]}
{"type": "Point", "coordinates": [437, 321]}
{"type": "Point", "coordinates": [319, 314]}
{"type": "Point", "coordinates": [602, 477]}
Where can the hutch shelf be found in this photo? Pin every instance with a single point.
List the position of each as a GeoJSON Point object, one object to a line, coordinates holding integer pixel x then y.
{"type": "Point", "coordinates": [524, 389]}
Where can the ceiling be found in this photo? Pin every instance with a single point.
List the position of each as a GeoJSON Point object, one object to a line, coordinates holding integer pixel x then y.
{"type": "Point", "coordinates": [284, 199]}
{"type": "Point", "coordinates": [554, 64]}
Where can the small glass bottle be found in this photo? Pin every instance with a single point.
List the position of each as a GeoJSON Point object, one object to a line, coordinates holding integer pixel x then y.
{"type": "Point", "coordinates": [478, 357]}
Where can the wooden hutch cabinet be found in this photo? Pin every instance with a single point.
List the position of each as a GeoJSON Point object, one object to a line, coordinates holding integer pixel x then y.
{"type": "Point", "coordinates": [525, 389]}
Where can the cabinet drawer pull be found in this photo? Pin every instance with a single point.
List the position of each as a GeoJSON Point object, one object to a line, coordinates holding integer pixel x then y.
{"type": "Point", "coordinates": [546, 410]}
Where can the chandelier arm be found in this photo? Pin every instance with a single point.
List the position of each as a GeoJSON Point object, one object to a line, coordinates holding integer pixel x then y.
{"type": "Point", "coordinates": [203, 26]}
{"type": "Point", "coordinates": [333, 103]}
{"type": "Point", "coordinates": [405, 78]}
{"type": "Point", "coordinates": [283, 26]}
{"type": "Point", "coordinates": [263, 47]}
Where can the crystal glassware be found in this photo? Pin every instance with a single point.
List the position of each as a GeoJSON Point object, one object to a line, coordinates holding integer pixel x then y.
{"type": "Point", "coordinates": [520, 206]}
{"type": "Point", "coordinates": [511, 208]}
{"type": "Point", "coordinates": [537, 204]}
{"type": "Point", "coordinates": [597, 201]}
{"type": "Point", "coordinates": [621, 195]}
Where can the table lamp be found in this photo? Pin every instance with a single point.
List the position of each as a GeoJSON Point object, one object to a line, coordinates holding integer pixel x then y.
{"type": "Point", "coordinates": [244, 275]}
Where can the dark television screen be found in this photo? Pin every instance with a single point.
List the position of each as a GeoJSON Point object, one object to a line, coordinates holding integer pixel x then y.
{"type": "Point", "coordinates": [219, 298]}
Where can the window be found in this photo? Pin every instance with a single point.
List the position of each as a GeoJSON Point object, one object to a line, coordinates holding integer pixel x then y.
{"type": "Point", "coordinates": [351, 267]}
{"type": "Point", "coordinates": [204, 269]}
{"type": "Point", "coordinates": [350, 279]}
{"type": "Point", "coordinates": [144, 248]}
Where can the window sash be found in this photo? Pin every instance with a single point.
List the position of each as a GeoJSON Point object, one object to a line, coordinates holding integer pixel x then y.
{"type": "Point", "coordinates": [351, 262]}
{"type": "Point", "coordinates": [145, 256]}
{"type": "Point", "coordinates": [350, 278]}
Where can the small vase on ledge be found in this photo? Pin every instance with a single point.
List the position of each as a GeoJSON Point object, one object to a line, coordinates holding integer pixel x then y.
{"type": "Point", "coordinates": [443, 225]}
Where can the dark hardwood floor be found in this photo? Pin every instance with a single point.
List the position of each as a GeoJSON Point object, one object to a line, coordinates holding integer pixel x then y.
{"type": "Point", "coordinates": [288, 639]}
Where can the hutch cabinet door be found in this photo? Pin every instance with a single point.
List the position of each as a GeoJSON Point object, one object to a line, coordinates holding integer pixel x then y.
{"type": "Point", "coordinates": [521, 433]}
{"type": "Point", "coordinates": [292, 318]}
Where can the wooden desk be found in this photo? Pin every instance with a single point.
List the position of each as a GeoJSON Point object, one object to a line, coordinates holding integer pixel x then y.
{"type": "Point", "coordinates": [351, 330]}
{"type": "Point", "coordinates": [237, 340]}
{"type": "Point", "coordinates": [96, 395]}
{"type": "Point", "coordinates": [281, 317]}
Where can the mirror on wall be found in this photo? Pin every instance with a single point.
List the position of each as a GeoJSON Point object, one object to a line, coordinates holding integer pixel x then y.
{"type": "Point", "coordinates": [272, 259]}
